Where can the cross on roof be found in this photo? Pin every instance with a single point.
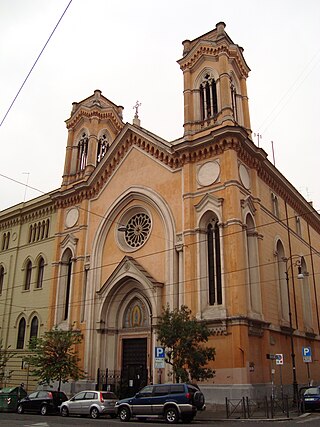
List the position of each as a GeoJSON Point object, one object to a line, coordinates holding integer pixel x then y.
{"type": "Point", "coordinates": [138, 104]}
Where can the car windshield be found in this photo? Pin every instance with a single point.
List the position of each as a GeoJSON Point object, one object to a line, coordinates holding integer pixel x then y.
{"type": "Point", "coordinates": [313, 390]}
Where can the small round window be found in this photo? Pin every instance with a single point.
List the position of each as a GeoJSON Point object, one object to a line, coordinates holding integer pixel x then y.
{"type": "Point", "coordinates": [137, 226]}
{"type": "Point", "coordinates": [138, 229]}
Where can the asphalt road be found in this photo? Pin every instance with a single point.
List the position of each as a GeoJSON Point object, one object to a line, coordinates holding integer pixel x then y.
{"type": "Point", "coordinates": [27, 420]}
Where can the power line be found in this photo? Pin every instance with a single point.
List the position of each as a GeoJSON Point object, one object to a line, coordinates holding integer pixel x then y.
{"type": "Point", "coordinates": [34, 64]}
{"type": "Point", "coordinates": [287, 95]}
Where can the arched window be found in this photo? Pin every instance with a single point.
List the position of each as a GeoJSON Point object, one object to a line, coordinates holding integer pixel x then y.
{"type": "Point", "coordinates": [1, 278]}
{"type": "Point", "coordinates": [27, 281]}
{"type": "Point", "coordinates": [34, 232]}
{"type": "Point", "coordinates": [306, 296]}
{"type": "Point", "coordinates": [234, 102]}
{"type": "Point", "coordinates": [69, 271]}
{"type": "Point", "coordinates": [82, 151]}
{"type": "Point", "coordinates": [34, 327]}
{"type": "Point", "coordinates": [40, 273]}
{"type": "Point", "coordinates": [30, 233]}
{"type": "Point", "coordinates": [21, 333]}
{"type": "Point", "coordinates": [253, 266]}
{"type": "Point", "coordinates": [64, 287]}
{"type": "Point", "coordinates": [43, 226]}
{"type": "Point", "coordinates": [103, 147]}
{"type": "Point", "coordinates": [298, 225]}
{"type": "Point", "coordinates": [5, 241]}
{"type": "Point", "coordinates": [208, 97]}
{"type": "Point", "coordinates": [275, 205]}
{"type": "Point", "coordinates": [214, 263]}
{"type": "Point", "coordinates": [282, 283]}
{"type": "Point", "coordinates": [38, 231]}
{"type": "Point", "coordinates": [46, 234]}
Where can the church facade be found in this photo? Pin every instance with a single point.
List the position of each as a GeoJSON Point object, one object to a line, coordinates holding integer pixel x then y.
{"type": "Point", "coordinates": [205, 221]}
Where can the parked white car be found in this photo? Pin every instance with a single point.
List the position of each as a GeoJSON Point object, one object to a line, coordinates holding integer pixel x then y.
{"type": "Point", "coordinates": [91, 403]}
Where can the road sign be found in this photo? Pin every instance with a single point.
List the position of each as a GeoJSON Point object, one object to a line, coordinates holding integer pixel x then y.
{"type": "Point", "coordinates": [159, 352]}
{"type": "Point", "coordinates": [306, 354]}
{"type": "Point", "coordinates": [279, 359]}
{"type": "Point", "coordinates": [159, 363]}
{"type": "Point", "coordinates": [159, 355]}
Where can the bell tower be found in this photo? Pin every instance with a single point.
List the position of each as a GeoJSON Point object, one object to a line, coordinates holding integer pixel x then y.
{"type": "Point", "coordinates": [92, 127]}
{"type": "Point", "coordinates": [215, 89]}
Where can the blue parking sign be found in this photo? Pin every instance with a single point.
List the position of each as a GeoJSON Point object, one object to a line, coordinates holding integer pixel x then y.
{"type": "Point", "coordinates": [159, 353]}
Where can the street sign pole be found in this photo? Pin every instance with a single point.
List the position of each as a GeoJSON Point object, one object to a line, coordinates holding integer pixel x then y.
{"type": "Point", "coordinates": [281, 383]}
{"type": "Point", "coordinates": [307, 358]}
{"type": "Point", "coordinates": [308, 370]}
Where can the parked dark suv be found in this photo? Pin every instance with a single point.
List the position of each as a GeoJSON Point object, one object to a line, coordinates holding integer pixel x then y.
{"type": "Point", "coordinates": [42, 401]}
{"type": "Point", "coordinates": [169, 401]}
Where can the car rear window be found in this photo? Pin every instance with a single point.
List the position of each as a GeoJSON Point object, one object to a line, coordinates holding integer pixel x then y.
{"type": "Point", "coordinates": [109, 395]}
{"type": "Point", "coordinates": [313, 390]}
{"type": "Point", "coordinates": [44, 395]}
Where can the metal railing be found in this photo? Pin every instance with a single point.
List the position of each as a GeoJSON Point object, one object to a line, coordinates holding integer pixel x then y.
{"type": "Point", "coordinates": [268, 407]}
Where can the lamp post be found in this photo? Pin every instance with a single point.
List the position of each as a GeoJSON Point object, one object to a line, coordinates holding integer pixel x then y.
{"type": "Point", "coordinates": [293, 356]}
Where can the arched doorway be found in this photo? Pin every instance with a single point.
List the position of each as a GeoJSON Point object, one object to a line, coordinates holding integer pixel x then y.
{"type": "Point", "coordinates": [134, 370]}
{"type": "Point", "coordinates": [134, 360]}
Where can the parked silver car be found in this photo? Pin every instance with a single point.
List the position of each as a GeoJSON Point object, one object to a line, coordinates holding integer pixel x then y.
{"type": "Point", "coordinates": [92, 403]}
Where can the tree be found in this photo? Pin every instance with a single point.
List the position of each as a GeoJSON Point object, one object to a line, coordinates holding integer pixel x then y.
{"type": "Point", "coordinates": [5, 356]}
{"type": "Point", "coordinates": [54, 357]}
{"type": "Point", "coordinates": [183, 336]}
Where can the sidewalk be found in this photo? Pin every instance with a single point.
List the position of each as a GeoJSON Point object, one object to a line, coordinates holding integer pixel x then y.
{"type": "Point", "coordinates": [220, 415]}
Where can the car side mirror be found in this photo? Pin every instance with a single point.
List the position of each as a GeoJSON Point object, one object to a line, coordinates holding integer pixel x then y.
{"type": "Point", "coordinates": [138, 395]}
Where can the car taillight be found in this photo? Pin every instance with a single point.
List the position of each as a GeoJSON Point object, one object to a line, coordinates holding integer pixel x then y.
{"type": "Point", "coordinates": [188, 395]}
{"type": "Point", "coordinates": [50, 395]}
{"type": "Point", "coordinates": [101, 398]}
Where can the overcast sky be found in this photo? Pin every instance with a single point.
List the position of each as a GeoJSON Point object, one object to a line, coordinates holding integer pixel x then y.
{"type": "Point", "coordinates": [128, 49]}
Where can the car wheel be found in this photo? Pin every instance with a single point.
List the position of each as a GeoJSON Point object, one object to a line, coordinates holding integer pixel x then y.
{"type": "Point", "coordinates": [187, 418]}
{"type": "Point", "coordinates": [171, 415]}
{"type": "Point", "coordinates": [124, 413]}
{"type": "Point", "coordinates": [20, 409]}
{"type": "Point", "coordinates": [198, 399]}
{"type": "Point", "coordinates": [64, 411]}
{"type": "Point", "coordinates": [44, 410]}
{"type": "Point", "coordinates": [94, 413]}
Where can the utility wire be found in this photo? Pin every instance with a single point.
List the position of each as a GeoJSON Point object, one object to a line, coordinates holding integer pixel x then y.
{"type": "Point", "coordinates": [34, 64]}
{"type": "Point", "coordinates": [289, 93]}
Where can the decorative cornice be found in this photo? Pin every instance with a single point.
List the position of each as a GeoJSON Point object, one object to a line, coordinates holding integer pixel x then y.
{"type": "Point", "coordinates": [176, 156]}
{"type": "Point", "coordinates": [209, 50]}
{"type": "Point", "coordinates": [90, 113]}
{"type": "Point", "coordinates": [19, 217]}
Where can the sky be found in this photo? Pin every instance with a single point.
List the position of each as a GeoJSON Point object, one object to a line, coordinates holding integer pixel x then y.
{"type": "Point", "coordinates": [129, 50]}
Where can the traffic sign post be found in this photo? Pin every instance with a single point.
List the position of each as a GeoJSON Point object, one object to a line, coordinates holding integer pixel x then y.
{"type": "Point", "coordinates": [159, 356]}
{"type": "Point", "coordinates": [307, 358]}
{"type": "Point", "coordinates": [279, 362]}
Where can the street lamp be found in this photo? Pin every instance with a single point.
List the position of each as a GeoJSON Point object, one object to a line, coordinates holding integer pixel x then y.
{"type": "Point", "coordinates": [297, 263]}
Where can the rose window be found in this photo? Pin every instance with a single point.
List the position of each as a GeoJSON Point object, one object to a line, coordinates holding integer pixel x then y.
{"type": "Point", "coordinates": [137, 230]}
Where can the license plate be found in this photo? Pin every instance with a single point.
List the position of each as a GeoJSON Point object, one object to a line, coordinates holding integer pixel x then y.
{"type": "Point", "coordinates": [309, 399]}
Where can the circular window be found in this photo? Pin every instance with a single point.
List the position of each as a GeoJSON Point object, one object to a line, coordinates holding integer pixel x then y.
{"type": "Point", "coordinates": [137, 230]}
